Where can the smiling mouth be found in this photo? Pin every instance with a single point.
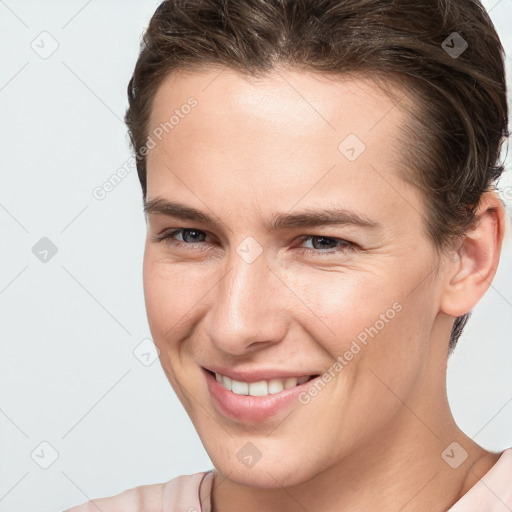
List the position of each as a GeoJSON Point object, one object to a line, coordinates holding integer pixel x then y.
{"type": "Point", "coordinates": [261, 388]}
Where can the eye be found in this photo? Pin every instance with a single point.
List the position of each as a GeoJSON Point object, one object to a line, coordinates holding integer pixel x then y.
{"type": "Point", "coordinates": [322, 243]}
{"type": "Point", "coordinates": [188, 236]}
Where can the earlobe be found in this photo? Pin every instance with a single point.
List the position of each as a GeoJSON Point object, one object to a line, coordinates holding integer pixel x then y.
{"type": "Point", "coordinates": [476, 261]}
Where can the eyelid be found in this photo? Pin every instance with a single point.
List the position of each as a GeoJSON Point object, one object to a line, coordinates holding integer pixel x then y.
{"type": "Point", "coordinates": [345, 245]}
{"type": "Point", "coordinates": [168, 234]}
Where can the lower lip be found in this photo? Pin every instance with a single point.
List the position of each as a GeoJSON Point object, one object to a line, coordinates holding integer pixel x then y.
{"type": "Point", "coordinates": [248, 408]}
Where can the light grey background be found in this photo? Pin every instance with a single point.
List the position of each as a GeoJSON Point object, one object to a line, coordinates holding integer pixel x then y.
{"type": "Point", "coordinates": [69, 326]}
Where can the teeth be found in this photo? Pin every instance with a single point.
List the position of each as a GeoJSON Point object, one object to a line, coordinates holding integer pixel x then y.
{"type": "Point", "coordinates": [240, 388]}
{"type": "Point", "coordinates": [275, 386]}
{"type": "Point", "coordinates": [226, 381]}
{"type": "Point", "coordinates": [261, 388]}
{"type": "Point", "coordinates": [258, 388]}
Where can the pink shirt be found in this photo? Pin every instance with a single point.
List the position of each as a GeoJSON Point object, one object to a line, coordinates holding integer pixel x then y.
{"type": "Point", "coordinates": [191, 493]}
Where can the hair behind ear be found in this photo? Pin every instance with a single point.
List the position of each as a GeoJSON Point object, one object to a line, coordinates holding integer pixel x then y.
{"type": "Point", "coordinates": [458, 327]}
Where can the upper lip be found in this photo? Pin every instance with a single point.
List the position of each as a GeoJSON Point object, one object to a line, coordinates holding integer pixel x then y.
{"type": "Point", "coordinates": [256, 375]}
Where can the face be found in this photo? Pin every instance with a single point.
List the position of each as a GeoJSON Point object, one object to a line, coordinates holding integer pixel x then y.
{"type": "Point", "coordinates": [282, 242]}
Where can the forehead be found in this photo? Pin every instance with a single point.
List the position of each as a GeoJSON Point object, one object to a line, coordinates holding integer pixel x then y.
{"type": "Point", "coordinates": [275, 136]}
{"type": "Point", "coordinates": [298, 102]}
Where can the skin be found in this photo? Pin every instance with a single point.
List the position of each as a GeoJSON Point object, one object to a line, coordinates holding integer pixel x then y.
{"type": "Point", "coordinates": [372, 438]}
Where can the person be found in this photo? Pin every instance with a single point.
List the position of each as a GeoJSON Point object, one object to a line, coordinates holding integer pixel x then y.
{"type": "Point", "coordinates": [319, 183]}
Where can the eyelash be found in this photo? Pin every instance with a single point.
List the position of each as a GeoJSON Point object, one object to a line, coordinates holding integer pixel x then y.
{"type": "Point", "coordinates": [345, 245]}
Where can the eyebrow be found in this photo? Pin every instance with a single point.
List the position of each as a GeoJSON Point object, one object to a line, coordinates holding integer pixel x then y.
{"type": "Point", "coordinates": [307, 218]}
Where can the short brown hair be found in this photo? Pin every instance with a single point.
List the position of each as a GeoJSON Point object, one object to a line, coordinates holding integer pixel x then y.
{"type": "Point", "coordinates": [446, 54]}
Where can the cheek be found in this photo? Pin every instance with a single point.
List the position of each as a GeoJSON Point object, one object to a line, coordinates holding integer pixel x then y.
{"type": "Point", "coordinates": [342, 304]}
{"type": "Point", "coordinates": [174, 296]}
{"type": "Point", "coordinates": [165, 294]}
{"type": "Point", "coordinates": [370, 320]}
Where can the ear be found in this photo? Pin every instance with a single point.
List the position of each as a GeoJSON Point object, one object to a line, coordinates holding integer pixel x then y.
{"type": "Point", "coordinates": [473, 266]}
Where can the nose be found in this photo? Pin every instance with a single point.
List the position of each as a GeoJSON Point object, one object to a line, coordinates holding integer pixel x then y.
{"type": "Point", "coordinates": [249, 311]}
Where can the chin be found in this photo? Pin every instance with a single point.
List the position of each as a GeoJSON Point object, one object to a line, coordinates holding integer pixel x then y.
{"type": "Point", "coordinates": [271, 474]}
